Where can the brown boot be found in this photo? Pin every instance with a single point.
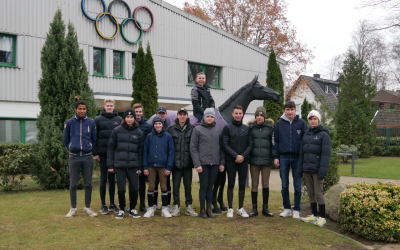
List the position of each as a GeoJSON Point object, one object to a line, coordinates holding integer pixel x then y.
{"type": "Point", "coordinates": [210, 213]}
{"type": "Point", "coordinates": [202, 213]}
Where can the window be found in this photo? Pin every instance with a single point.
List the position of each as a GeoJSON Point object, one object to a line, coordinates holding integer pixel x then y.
{"type": "Point", "coordinates": [392, 106]}
{"type": "Point", "coordinates": [326, 89]}
{"type": "Point", "coordinates": [98, 62]}
{"type": "Point", "coordinates": [18, 130]}
{"type": "Point", "coordinates": [337, 90]}
{"type": "Point", "coordinates": [118, 64]}
{"type": "Point", "coordinates": [298, 108]}
{"type": "Point", "coordinates": [7, 50]}
{"type": "Point", "coordinates": [212, 74]}
{"type": "Point", "coordinates": [133, 62]}
{"type": "Point", "coordinates": [381, 105]}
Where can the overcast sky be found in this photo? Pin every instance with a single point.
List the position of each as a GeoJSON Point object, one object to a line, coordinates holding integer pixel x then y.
{"type": "Point", "coordinates": [325, 26]}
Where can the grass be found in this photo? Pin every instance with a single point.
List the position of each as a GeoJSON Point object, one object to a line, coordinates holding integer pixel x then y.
{"type": "Point", "coordinates": [35, 220]}
{"type": "Point", "coordinates": [374, 167]}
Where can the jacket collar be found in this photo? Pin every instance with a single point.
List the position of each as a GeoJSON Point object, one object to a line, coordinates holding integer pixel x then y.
{"type": "Point", "coordinates": [127, 127]}
{"type": "Point", "coordinates": [236, 123]}
{"type": "Point", "coordinates": [80, 118]}
{"type": "Point", "coordinates": [142, 120]}
{"type": "Point", "coordinates": [284, 117]}
{"type": "Point", "coordinates": [178, 126]}
{"type": "Point", "coordinates": [109, 115]}
{"type": "Point", "coordinates": [205, 86]}
{"type": "Point", "coordinates": [205, 124]}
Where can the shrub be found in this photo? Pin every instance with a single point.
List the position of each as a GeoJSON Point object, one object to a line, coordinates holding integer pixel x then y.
{"type": "Point", "coordinates": [348, 148]}
{"type": "Point", "coordinates": [13, 146]}
{"type": "Point", "coordinates": [372, 211]}
{"type": "Point", "coordinates": [14, 164]}
{"type": "Point", "coordinates": [390, 151]}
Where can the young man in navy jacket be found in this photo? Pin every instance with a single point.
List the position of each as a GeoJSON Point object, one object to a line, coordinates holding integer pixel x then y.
{"type": "Point", "coordinates": [80, 137]}
{"type": "Point", "coordinates": [288, 132]}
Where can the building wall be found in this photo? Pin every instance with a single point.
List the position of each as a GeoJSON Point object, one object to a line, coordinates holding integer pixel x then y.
{"type": "Point", "coordinates": [387, 99]}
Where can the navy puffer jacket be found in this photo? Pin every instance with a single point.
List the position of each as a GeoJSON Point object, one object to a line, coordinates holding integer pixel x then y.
{"type": "Point", "coordinates": [105, 123]}
{"type": "Point", "coordinates": [315, 152]}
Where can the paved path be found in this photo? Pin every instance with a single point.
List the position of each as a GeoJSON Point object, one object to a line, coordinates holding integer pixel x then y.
{"type": "Point", "coordinates": [275, 180]}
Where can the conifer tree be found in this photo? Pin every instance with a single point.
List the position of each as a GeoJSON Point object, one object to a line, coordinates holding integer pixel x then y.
{"type": "Point", "coordinates": [305, 109]}
{"type": "Point", "coordinates": [137, 77]}
{"type": "Point", "coordinates": [355, 109]}
{"type": "Point", "coordinates": [275, 82]}
{"type": "Point", "coordinates": [149, 89]}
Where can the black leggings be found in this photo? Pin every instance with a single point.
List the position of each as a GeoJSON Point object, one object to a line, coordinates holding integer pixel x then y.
{"type": "Point", "coordinates": [219, 185]}
{"type": "Point", "coordinates": [133, 178]}
{"type": "Point", "coordinates": [168, 189]}
{"type": "Point", "coordinates": [103, 181]}
{"type": "Point", "coordinates": [207, 179]}
{"type": "Point", "coordinates": [242, 170]}
{"type": "Point", "coordinates": [142, 188]}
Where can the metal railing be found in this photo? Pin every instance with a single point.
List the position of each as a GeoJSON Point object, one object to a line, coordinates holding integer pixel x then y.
{"type": "Point", "coordinates": [388, 137]}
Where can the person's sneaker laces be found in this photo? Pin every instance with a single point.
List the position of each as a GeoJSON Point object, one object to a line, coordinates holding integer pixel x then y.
{"type": "Point", "coordinates": [89, 211]}
{"type": "Point", "coordinates": [150, 212]}
{"type": "Point", "coordinates": [286, 213]}
{"type": "Point", "coordinates": [169, 208]}
{"type": "Point", "coordinates": [120, 215]}
{"type": "Point", "coordinates": [72, 212]}
{"type": "Point", "coordinates": [104, 210]}
{"type": "Point", "coordinates": [165, 213]}
{"type": "Point", "coordinates": [242, 213]}
{"type": "Point", "coordinates": [296, 214]}
{"type": "Point", "coordinates": [190, 211]}
{"type": "Point", "coordinates": [309, 219]}
{"type": "Point", "coordinates": [229, 214]}
{"type": "Point", "coordinates": [176, 211]}
{"type": "Point", "coordinates": [320, 222]}
{"type": "Point", "coordinates": [113, 208]}
{"type": "Point", "coordinates": [134, 213]}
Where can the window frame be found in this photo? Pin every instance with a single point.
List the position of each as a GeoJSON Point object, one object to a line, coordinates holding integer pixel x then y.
{"type": "Point", "coordinates": [326, 89]}
{"type": "Point", "coordinates": [21, 125]}
{"type": "Point", "coordinates": [121, 76]}
{"type": "Point", "coordinates": [133, 57]}
{"type": "Point", "coordinates": [14, 51]}
{"type": "Point", "coordinates": [102, 74]}
{"type": "Point", "coordinates": [203, 70]}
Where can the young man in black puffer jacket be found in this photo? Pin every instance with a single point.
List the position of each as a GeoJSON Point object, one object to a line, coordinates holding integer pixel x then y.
{"type": "Point", "coordinates": [201, 96]}
{"type": "Point", "coordinates": [237, 142]}
{"type": "Point", "coordinates": [181, 132]}
{"type": "Point", "coordinates": [105, 123]}
{"type": "Point", "coordinates": [315, 155]}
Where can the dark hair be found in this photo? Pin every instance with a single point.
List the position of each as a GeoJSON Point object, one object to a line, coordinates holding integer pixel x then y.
{"type": "Point", "coordinates": [238, 107]}
{"type": "Point", "coordinates": [290, 105]}
{"type": "Point", "coordinates": [80, 102]}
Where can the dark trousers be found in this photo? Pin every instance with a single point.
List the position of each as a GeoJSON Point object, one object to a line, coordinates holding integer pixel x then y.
{"type": "Point", "coordinates": [242, 169]}
{"type": "Point", "coordinates": [133, 177]}
{"type": "Point", "coordinates": [219, 185]}
{"type": "Point", "coordinates": [187, 175]}
{"type": "Point", "coordinates": [198, 116]}
{"type": "Point", "coordinates": [168, 189]}
{"type": "Point", "coordinates": [142, 188]}
{"type": "Point", "coordinates": [104, 175]}
{"type": "Point", "coordinates": [207, 179]}
{"type": "Point", "coordinates": [75, 165]}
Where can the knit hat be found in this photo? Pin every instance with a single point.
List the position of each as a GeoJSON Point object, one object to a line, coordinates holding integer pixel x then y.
{"type": "Point", "coordinates": [261, 111]}
{"type": "Point", "coordinates": [157, 119]}
{"type": "Point", "coordinates": [129, 111]}
{"type": "Point", "coordinates": [208, 112]}
{"type": "Point", "coordinates": [314, 113]}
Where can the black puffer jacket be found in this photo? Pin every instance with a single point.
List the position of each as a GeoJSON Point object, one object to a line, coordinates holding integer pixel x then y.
{"type": "Point", "coordinates": [105, 123]}
{"type": "Point", "coordinates": [237, 140]}
{"type": "Point", "coordinates": [125, 147]}
{"type": "Point", "coordinates": [181, 137]}
{"type": "Point", "coordinates": [201, 98]}
{"type": "Point", "coordinates": [262, 142]}
{"type": "Point", "coordinates": [315, 152]}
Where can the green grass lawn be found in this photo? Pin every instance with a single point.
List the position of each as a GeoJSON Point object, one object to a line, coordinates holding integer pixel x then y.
{"type": "Point", "coordinates": [35, 220]}
{"type": "Point", "coordinates": [374, 167]}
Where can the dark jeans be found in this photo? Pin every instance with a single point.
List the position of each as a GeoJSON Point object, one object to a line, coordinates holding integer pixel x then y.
{"type": "Point", "coordinates": [287, 162]}
{"type": "Point", "coordinates": [242, 169]}
{"type": "Point", "coordinates": [198, 116]}
{"type": "Point", "coordinates": [75, 165]}
{"type": "Point", "coordinates": [142, 188]}
{"type": "Point", "coordinates": [177, 175]}
{"type": "Point", "coordinates": [207, 179]}
{"type": "Point", "coordinates": [133, 177]}
{"type": "Point", "coordinates": [104, 174]}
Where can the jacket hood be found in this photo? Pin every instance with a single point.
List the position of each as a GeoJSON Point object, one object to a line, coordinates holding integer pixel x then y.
{"type": "Point", "coordinates": [108, 115]}
{"type": "Point", "coordinates": [205, 124]}
{"type": "Point", "coordinates": [79, 118]}
{"type": "Point", "coordinates": [320, 128]}
{"type": "Point", "coordinates": [284, 117]}
{"type": "Point", "coordinates": [253, 122]}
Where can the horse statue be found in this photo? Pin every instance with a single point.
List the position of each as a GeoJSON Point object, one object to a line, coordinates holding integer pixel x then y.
{"type": "Point", "coordinates": [243, 96]}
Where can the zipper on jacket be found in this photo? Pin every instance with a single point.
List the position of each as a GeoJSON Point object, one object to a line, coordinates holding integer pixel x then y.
{"type": "Point", "coordinates": [308, 153]}
{"type": "Point", "coordinates": [80, 132]}
{"type": "Point", "coordinates": [259, 148]}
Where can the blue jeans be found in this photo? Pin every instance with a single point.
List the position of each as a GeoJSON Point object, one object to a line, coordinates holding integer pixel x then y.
{"type": "Point", "coordinates": [285, 163]}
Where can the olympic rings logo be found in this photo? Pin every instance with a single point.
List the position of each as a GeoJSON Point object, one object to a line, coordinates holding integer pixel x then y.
{"type": "Point", "coordinates": [114, 20]}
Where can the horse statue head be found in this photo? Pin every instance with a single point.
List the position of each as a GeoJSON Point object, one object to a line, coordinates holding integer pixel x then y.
{"type": "Point", "coordinates": [243, 96]}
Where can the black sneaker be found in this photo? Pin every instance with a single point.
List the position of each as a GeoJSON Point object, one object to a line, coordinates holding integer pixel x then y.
{"type": "Point", "coordinates": [120, 215]}
{"type": "Point", "coordinates": [134, 213]}
{"type": "Point", "coordinates": [113, 208]}
{"type": "Point", "coordinates": [143, 207]}
{"type": "Point", "coordinates": [104, 210]}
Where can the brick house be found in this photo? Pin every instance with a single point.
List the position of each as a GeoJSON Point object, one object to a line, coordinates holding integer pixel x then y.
{"type": "Point", "coordinates": [388, 99]}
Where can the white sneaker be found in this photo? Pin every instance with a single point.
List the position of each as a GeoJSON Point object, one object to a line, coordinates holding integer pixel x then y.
{"type": "Point", "coordinates": [229, 214]}
{"type": "Point", "coordinates": [150, 212]}
{"type": "Point", "coordinates": [320, 222]}
{"type": "Point", "coordinates": [286, 213]}
{"type": "Point", "coordinates": [309, 219]}
{"type": "Point", "coordinates": [190, 211]}
{"type": "Point", "coordinates": [176, 211]}
{"type": "Point", "coordinates": [165, 213]}
{"type": "Point", "coordinates": [89, 211]}
{"type": "Point", "coordinates": [242, 213]}
{"type": "Point", "coordinates": [169, 208]}
{"type": "Point", "coordinates": [296, 214]}
{"type": "Point", "coordinates": [72, 212]}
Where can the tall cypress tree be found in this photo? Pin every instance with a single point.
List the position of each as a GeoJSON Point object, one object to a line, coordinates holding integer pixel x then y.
{"type": "Point", "coordinates": [355, 109]}
{"type": "Point", "coordinates": [305, 109]}
{"type": "Point", "coordinates": [149, 88]}
{"type": "Point", "coordinates": [275, 82]}
{"type": "Point", "coordinates": [137, 77]}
